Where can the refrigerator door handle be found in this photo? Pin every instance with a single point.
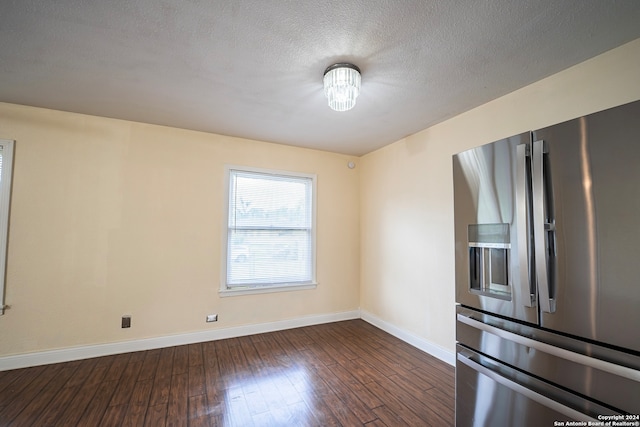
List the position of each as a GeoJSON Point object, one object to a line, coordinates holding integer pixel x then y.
{"type": "Point", "coordinates": [582, 359]}
{"type": "Point", "coordinates": [547, 304]}
{"type": "Point", "coordinates": [514, 386]}
{"type": "Point", "coordinates": [527, 295]}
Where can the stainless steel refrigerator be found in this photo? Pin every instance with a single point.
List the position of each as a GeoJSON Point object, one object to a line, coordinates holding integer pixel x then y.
{"type": "Point", "coordinates": [547, 229]}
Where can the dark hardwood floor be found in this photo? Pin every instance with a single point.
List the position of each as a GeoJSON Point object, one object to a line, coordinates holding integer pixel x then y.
{"type": "Point", "coordinates": [338, 374]}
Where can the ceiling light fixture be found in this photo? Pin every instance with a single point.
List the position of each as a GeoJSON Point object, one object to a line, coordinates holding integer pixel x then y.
{"type": "Point", "coordinates": [342, 86]}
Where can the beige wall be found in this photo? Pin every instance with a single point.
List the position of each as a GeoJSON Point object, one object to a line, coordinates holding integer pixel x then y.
{"type": "Point", "coordinates": [407, 269]}
{"type": "Point", "coordinates": [110, 217]}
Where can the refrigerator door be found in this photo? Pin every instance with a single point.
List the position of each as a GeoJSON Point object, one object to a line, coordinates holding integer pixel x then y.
{"type": "Point", "coordinates": [586, 209]}
{"type": "Point", "coordinates": [492, 210]}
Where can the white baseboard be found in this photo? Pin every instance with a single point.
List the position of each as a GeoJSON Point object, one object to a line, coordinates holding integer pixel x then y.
{"type": "Point", "coordinates": [85, 352]}
{"type": "Point", "coordinates": [424, 345]}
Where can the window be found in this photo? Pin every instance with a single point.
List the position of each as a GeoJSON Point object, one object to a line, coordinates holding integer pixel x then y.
{"type": "Point", "coordinates": [270, 231]}
{"type": "Point", "coordinates": [6, 163]}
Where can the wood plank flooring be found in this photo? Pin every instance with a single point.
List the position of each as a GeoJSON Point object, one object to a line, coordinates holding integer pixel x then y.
{"type": "Point", "coordinates": [338, 374]}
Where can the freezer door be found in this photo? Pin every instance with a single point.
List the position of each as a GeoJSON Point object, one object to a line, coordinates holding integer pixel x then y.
{"type": "Point", "coordinates": [490, 393]}
{"type": "Point", "coordinates": [586, 208]}
{"type": "Point", "coordinates": [598, 373]}
{"type": "Point", "coordinates": [492, 234]}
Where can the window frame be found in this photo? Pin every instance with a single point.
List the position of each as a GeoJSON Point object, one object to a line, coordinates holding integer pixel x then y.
{"type": "Point", "coordinates": [225, 289]}
{"type": "Point", "coordinates": [5, 203]}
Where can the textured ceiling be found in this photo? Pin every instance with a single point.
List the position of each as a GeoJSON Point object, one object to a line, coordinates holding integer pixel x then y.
{"type": "Point", "coordinates": [253, 68]}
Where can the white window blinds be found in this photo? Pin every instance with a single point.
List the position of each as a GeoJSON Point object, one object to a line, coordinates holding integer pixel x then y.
{"type": "Point", "coordinates": [270, 236]}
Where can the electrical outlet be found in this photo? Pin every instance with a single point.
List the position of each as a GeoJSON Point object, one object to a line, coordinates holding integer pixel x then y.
{"type": "Point", "coordinates": [212, 318]}
{"type": "Point", "coordinates": [126, 321]}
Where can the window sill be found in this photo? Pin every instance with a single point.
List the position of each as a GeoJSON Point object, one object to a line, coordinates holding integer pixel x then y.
{"type": "Point", "coordinates": [232, 292]}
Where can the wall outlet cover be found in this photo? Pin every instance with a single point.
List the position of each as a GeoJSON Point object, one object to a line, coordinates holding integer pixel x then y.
{"type": "Point", "coordinates": [126, 321]}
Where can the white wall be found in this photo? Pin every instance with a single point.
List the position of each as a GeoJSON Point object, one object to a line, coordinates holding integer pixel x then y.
{"type": "Point", "coordinates": [406, 190]}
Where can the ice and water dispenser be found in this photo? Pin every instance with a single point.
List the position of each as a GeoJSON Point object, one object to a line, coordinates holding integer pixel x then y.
{"type": "Point", "coordinates": [489, 257]}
